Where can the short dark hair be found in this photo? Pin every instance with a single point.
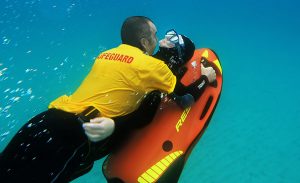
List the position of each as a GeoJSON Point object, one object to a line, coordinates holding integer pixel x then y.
{"type": "Point", "coordinates": [134, 29]}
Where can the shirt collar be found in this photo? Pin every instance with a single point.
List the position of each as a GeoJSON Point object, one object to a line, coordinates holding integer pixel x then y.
{"type": "Point", "coordinates": [126, 46]}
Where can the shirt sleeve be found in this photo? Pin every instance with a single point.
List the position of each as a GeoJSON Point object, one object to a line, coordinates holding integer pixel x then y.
{"type": "Point", "coordinates": [157, 76]}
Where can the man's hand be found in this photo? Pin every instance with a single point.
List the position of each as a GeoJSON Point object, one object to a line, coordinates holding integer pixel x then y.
{"type": "Point", "coordinates": [209, 72]}
{"type": "Point", "coordinates": [99, 128]}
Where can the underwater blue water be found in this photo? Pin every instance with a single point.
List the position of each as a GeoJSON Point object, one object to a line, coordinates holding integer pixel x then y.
{"type": "Point", "coordinates": [48, 46]}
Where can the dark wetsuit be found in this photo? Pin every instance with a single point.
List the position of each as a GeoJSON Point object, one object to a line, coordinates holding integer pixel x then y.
{"type": "Point", "coordinates": [52, 146]}
{"type": "Point", "coordinates": [47, 148]}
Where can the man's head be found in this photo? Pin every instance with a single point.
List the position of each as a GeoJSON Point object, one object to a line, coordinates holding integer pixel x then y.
{"type": "Point", "coordinates": [140, 32]}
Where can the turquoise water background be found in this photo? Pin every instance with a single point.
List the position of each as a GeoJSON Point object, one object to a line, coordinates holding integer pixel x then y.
{"type": "Point", "coordinates": [47, 48]}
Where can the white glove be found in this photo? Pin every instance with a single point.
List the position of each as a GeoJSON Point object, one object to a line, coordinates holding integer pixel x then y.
{"type": "Point", "coordinates": [99, 128]}
{"type": "Point", "coordinates": [209, 72]}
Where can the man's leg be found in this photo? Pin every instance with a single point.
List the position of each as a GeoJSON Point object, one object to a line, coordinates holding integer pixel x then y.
{"type": "Point", "coordinates": [46, 149]}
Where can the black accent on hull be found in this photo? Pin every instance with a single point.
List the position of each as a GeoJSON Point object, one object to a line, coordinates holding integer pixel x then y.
{"type": "Point", "coordinates": [167, 146]}
{"type": "Point", "coordinates": [115, 180]}
{"type": "Point", "coordinates": [206, 107]}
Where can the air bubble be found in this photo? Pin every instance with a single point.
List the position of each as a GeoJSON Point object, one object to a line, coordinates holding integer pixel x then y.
{"type": "Point", "coordinates": [49, 140]}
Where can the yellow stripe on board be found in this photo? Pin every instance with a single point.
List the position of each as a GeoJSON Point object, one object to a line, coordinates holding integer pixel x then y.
{"type": "Point", "coordinates": [165, 162]}
{"type": "Point", "coordinates": [217, 63]}
{"type": "Point", "coordinates": [177, 153]}
{"type": "Point", "coordinates": [161, 166]}
{"type": "Point", "coordinates": [147, 177]}
{"type": "Point", "coordinates": [205, 54]}
{"type": "Point", "coordinates": [169, 159]}
{"type": "Point", "coordinates": [157, 169]}
{"type": "Point", "coordinates": [153, 173]}
{"type": "Point", "coordinates": [141, 180]}
{"type": "Point", "coordinates": [173, 156]}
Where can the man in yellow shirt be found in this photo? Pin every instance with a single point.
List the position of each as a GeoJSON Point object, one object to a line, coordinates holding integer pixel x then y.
{"type": "Point", "coordinates": [51, 145]}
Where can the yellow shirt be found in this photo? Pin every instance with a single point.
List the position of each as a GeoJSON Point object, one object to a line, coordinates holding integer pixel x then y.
{"type": "Point", "coordinates": [117, 82]}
